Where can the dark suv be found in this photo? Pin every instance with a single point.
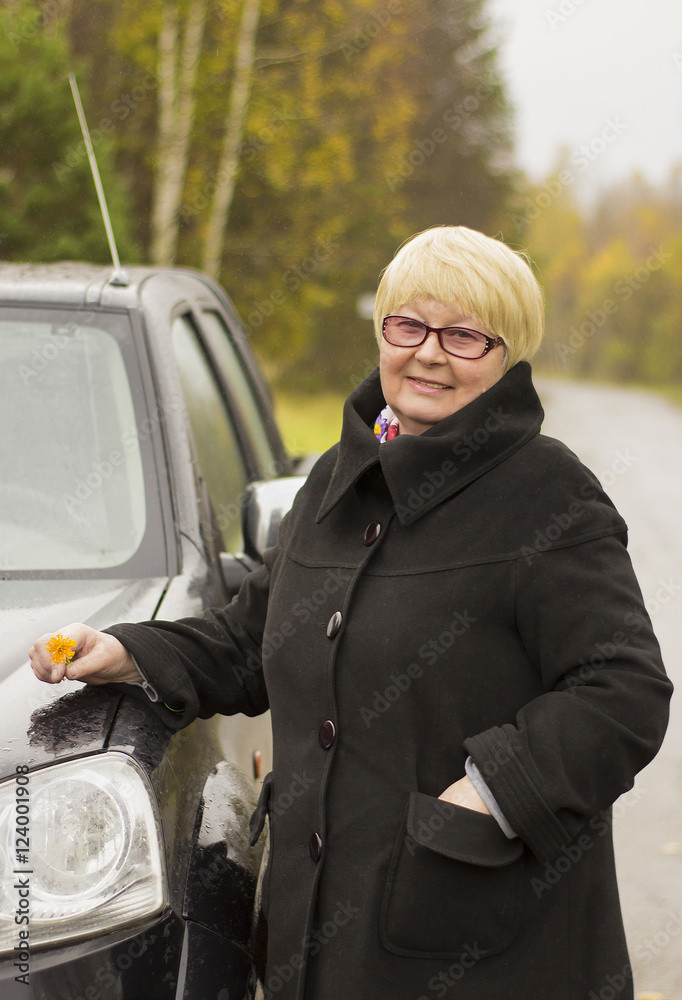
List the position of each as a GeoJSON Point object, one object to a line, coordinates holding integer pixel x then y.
{"type": "Point", "coordinates": [138, 442]}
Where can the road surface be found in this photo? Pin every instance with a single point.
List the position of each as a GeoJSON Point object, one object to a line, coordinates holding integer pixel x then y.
{"type": "Point", "coordinates": [633, 441]}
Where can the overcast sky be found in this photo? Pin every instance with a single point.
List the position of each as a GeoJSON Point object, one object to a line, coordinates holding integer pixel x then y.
{"type": "Point", "coordinates": [606, 74]}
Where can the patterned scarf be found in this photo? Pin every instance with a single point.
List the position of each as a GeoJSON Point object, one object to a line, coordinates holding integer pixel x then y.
{"type": "Point", "coordinates": [386, 425]}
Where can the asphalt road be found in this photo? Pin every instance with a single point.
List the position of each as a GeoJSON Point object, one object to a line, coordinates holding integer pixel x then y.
{"type": "Point", "coordinates": [632, 441]}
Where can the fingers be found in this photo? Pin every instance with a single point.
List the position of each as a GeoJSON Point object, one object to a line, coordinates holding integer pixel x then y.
{"type": "Point", "coordinates": [96, 657]}
{"type": "Point", "coordinates": [49, 653]}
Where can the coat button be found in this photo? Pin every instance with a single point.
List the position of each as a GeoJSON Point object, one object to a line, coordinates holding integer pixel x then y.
{"type": "Point", "coordinates": [327, 734]}
{"type": "Point", "coordinates": [334, 624]}
{"type": "Point", "coordinates": [315, 847]}
{"type": "Point", "coordinates": [372, 533]}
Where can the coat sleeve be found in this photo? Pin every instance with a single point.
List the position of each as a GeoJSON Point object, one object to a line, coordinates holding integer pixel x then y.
{"type": "Point", "coordinates": [577, 747]}
{"type": "Point", "coordinates": [206, 665]}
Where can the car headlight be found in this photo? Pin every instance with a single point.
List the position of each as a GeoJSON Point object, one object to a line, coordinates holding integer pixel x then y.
{"type": "Point", "coordinates": [95, 858]}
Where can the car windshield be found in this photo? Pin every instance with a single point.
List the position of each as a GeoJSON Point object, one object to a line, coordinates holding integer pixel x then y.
{"type": "Point", "coordinates": [72, 490]}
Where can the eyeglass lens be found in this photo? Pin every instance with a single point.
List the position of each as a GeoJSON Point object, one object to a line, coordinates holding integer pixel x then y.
{"type": "Point", "coordinates": [401, 331]}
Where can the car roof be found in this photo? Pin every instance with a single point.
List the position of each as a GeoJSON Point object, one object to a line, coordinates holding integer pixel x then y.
{"type": "Point", "coordinates": [76, 284]}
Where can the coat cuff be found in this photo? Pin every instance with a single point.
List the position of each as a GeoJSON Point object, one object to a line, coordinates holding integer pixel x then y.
{"type": "Point", "coordinates": [476, 779]}
{"type": "Point", "coordinates": [517, 794]}
{"type": "Point", "coordinates": [175, 701]}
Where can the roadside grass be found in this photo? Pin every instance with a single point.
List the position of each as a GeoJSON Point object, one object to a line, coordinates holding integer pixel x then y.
{"type": "Point", "coordinates": [309, 423]}
{"type": "Point", "coordinates": [313, 423]}
{"type": "Point", "coordinates": [672, 392]}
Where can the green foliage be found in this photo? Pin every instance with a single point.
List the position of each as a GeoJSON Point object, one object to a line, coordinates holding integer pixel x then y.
{"type": "Point", "coordinates": [611, 280]}
{"type": "Point", "coordinates": [343, 163]}
{"type": "Point", "coordinates": [367, 123]}
{"type": "Point", "coordinates": [337, 167]}
{"type": "Point", "coordinates": [48, 204]}
{"type": "Point", "coordinates": [309, 423]}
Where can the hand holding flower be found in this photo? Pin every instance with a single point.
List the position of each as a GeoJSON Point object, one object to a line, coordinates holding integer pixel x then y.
{"type": "Point", "coordinates": [82, 653]}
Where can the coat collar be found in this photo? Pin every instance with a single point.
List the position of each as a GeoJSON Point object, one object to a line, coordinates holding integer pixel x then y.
{"type": "Point", "coordinates": [423, 470]}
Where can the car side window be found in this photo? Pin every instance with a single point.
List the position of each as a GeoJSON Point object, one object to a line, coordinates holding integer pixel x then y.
{"type": "Point", "coordinates": [241, 391]}
{"type": "Point", "coordinates": [221, 463]}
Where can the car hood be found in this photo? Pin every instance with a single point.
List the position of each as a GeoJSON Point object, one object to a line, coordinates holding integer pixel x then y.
{"type": "Point", "coordinates": [42, 722]}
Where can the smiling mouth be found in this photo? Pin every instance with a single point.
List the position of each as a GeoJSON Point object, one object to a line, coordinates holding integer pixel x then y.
{"type": "Point", "coordinates": [427, 383]}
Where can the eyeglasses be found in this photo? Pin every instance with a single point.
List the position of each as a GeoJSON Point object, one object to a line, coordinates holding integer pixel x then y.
{"type": "Point", "coordinates": [403, 331]}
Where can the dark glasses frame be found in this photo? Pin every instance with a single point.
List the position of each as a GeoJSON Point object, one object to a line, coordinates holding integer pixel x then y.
{"type": "Point", "coordinates": [490, 342]}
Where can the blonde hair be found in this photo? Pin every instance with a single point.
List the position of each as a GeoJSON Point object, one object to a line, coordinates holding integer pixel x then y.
{"type": "Point", "coordinates": [482, 276]}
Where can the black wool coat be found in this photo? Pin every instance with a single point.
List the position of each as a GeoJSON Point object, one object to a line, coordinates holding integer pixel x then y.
{"type": "Point", "coordinates": [462, 592]}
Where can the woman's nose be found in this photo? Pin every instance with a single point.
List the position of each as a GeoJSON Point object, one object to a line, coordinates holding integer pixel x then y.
{"type": "Point", "coordinates": [430, 352]}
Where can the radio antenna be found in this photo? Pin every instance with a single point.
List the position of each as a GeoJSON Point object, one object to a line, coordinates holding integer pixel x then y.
{"type": "Point", "coordinates": [119, 277]}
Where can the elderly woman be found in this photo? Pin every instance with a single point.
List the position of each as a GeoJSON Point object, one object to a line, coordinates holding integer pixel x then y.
{"type": "Point", "coordinates": [477, 687]}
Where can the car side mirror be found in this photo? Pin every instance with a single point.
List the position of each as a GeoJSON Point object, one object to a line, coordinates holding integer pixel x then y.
{"type": "Point", "coordinates": [264, 505]}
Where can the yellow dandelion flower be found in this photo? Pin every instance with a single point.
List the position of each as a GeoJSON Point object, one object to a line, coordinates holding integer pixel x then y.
{"type": "Point", "coordinates": [61, 648]}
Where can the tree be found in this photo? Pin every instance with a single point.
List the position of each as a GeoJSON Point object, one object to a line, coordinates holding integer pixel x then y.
{"type": "Point", "coordinates": [290, 146]}
{"type": "Point", "coordinates": [614, 304]}
{"type": "Point", "coordinates": [234, 131]}
{"type": "Point", "coordinates": [341, 154]}
{"type": "Point", "coordinates": [178, 66]}
{"type": "Point", "coordinates": [48, 204]}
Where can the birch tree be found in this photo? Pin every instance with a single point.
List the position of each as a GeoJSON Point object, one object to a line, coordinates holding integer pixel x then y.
{"type": "Point", "coordinates": [234, 131]}
{"type": "Point", "coordinates": [178, 65]}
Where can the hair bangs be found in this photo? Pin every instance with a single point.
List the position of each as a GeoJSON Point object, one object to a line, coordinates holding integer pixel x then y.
{"type": "Point", "coordinates": [481, 276]}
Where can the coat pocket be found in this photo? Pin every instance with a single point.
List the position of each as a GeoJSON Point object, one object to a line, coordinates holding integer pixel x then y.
{"type": "Point", "coordinates": [454, 880]}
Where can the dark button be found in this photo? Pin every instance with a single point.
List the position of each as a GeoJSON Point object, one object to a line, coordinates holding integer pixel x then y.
{"type": "Point", "coordinates": [327, 734]}
{"type": "Point", "coordinates": [315, 847]}
{"type": "Point", "coordinates": [372, 532]}
{"type": "Point", "coordinates": [334, 624]}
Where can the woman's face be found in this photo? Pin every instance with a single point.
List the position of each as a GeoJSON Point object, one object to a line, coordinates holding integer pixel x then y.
{"type": "Point", "coordinates": [423, 385]}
